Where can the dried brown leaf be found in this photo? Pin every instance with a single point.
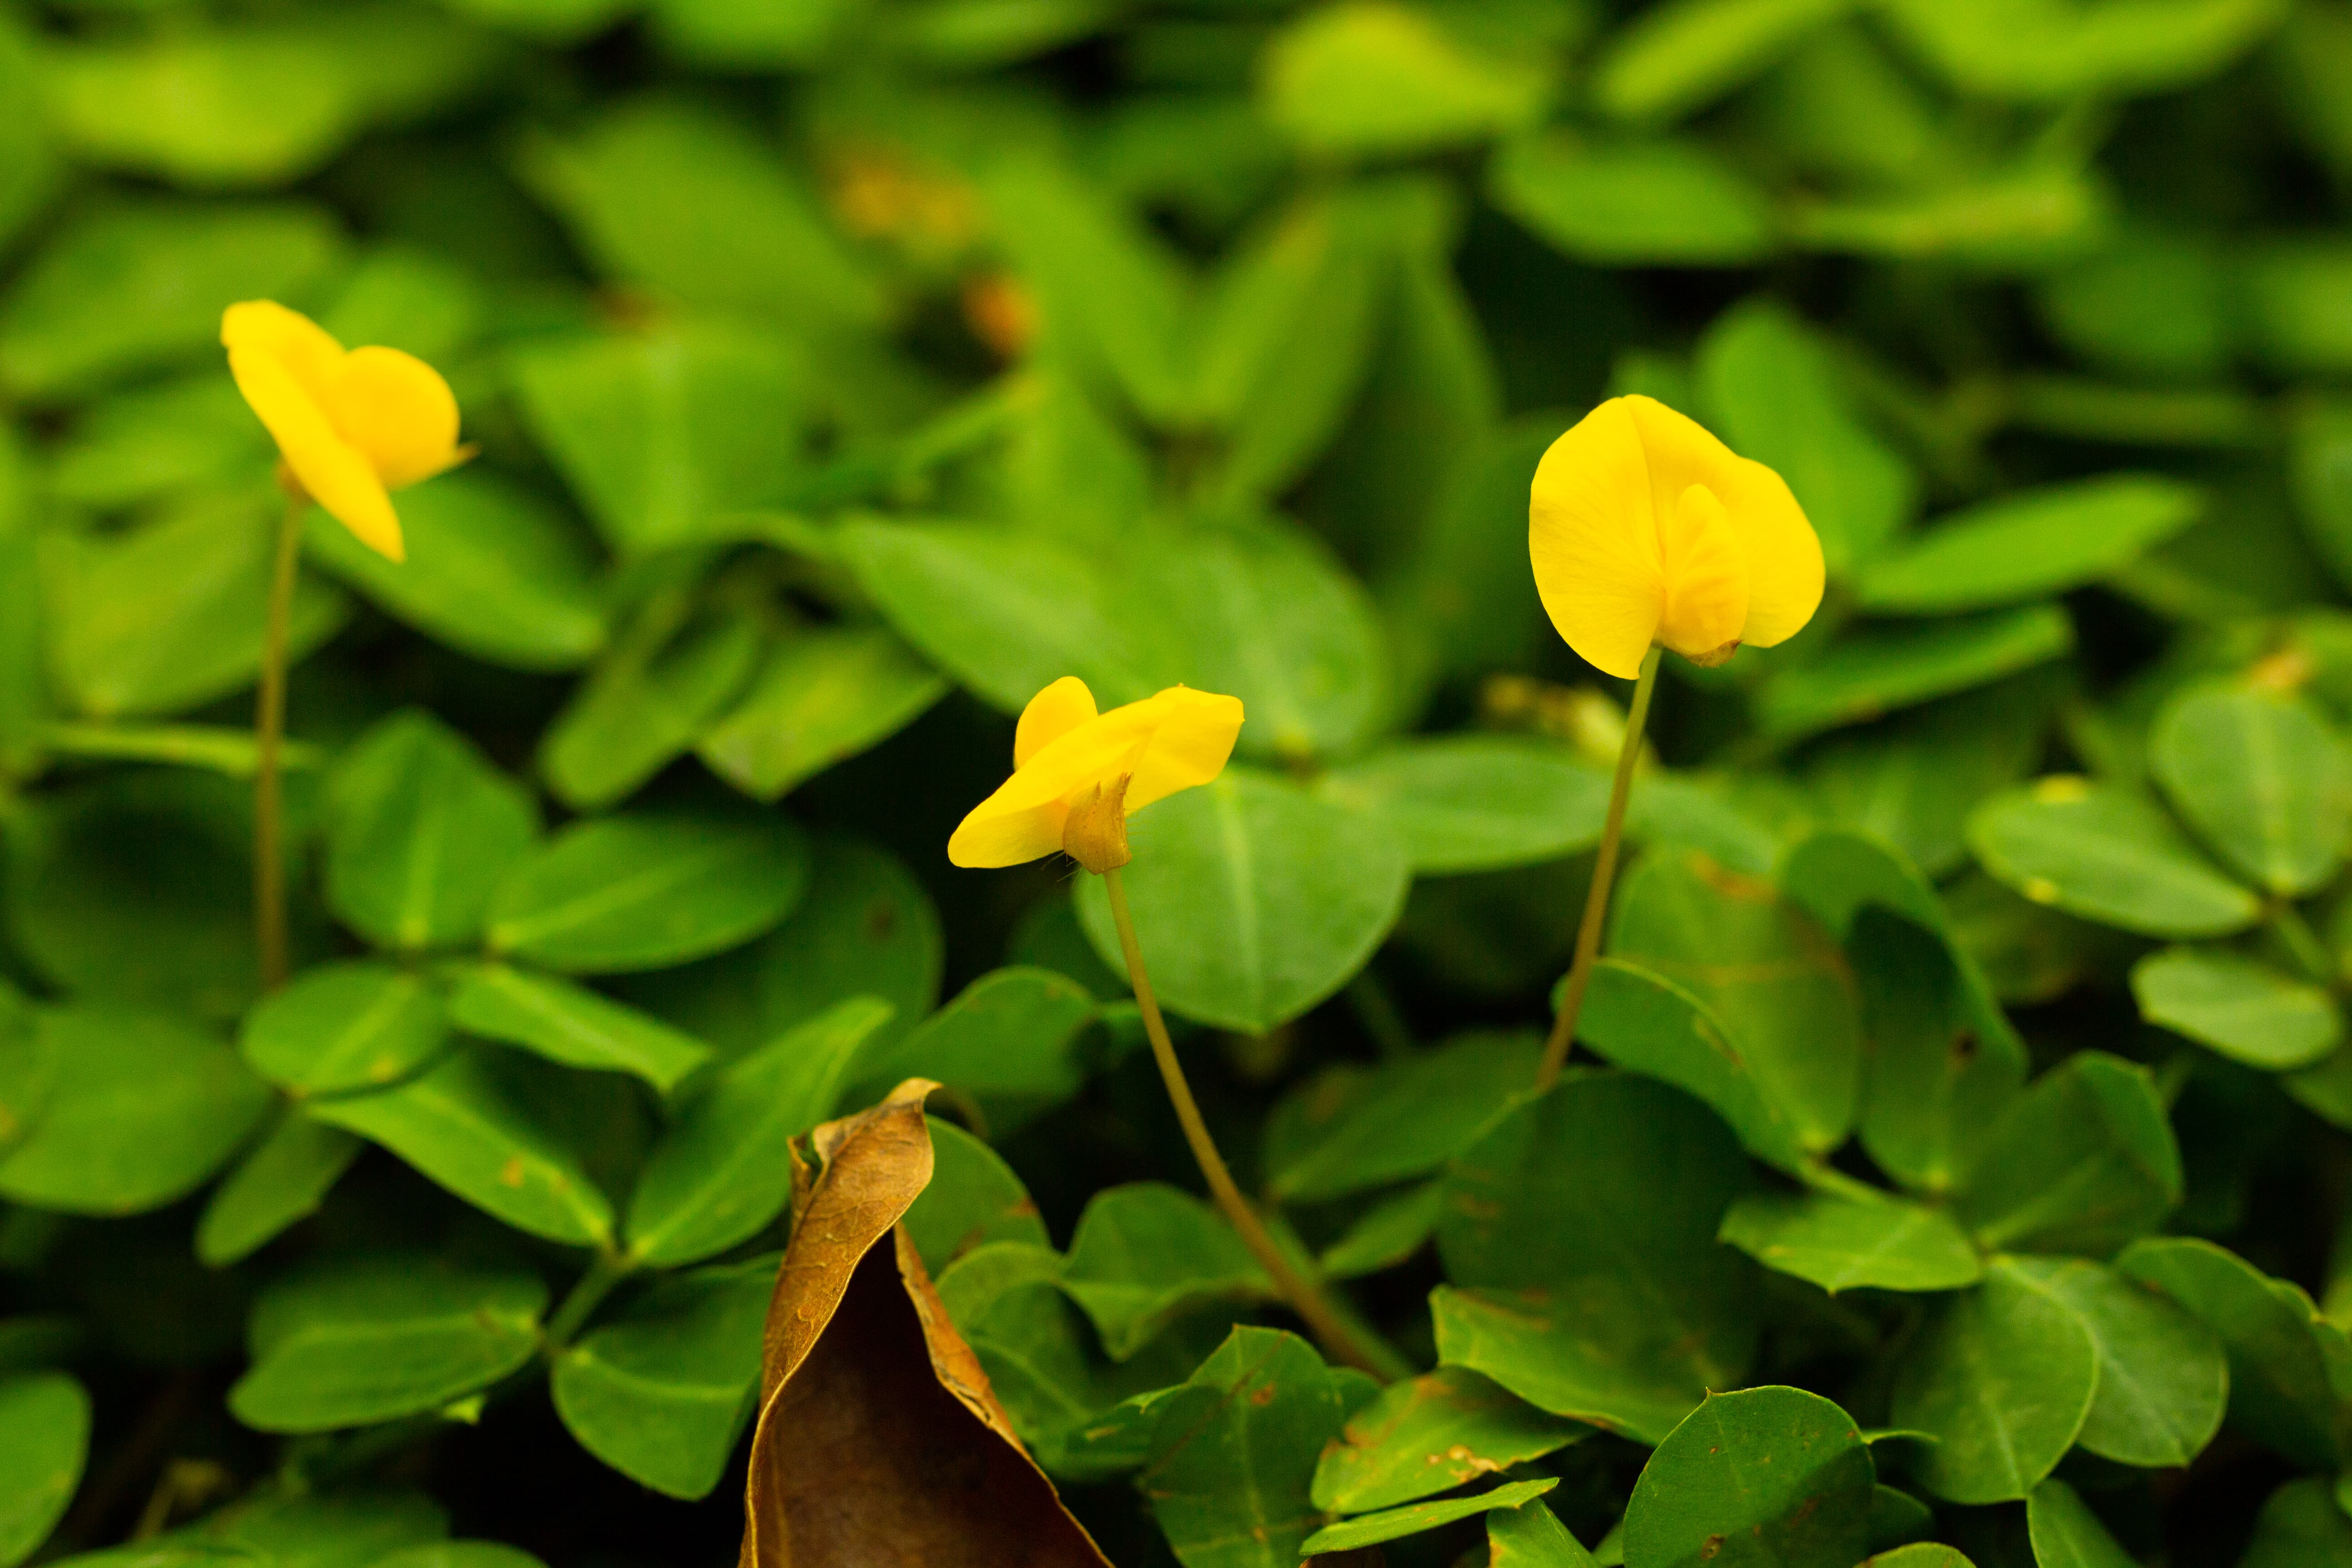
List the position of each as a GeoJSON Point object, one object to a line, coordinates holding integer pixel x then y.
{"type": "Point", "coordinates": [878, 1443]}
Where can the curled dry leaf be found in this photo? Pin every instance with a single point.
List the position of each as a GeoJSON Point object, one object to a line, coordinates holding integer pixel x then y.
{"type": "Point", "coordinates": [878, 1443]}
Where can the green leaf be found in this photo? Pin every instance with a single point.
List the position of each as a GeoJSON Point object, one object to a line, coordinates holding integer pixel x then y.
{"type": "Point", "coordinates": [1476, 803]}
{"type": "Point", "coordinates": [420, 830]}
{"type": "Point", "coordinates": [343, 1529]}
{"type": "Point", "coordinates": [1841, 1242]}
{"type": "Point", "coordinates": [2065, 1534]}
{"type": "Point", "coordinates": [824, 694]}
{"type": "Point", "coordinates": [2164, 1378]}
{"type": "Point", "coordinates": [1770, 975]}
{"type": "Point", "coordinates": [1879, 668]}
{"type": "Point", "coordinates": [283, 1180]}
{"type": "Point", "coordinates": [2290, 1369]}
{"type": "Point", "coordinates": [1679, 57]}
{"type": "Point", "coordinates": [462, 1126]}
{"type": "Point", "coordinates": [2322, 472]}
{"type": "Point", "coordinates": [1432, 1434]}
{"type": "Point", "coordinates": [1353, 1128]}
{"type": "Point", "coordinates": [2028, 217]}
{"type": "Point", "coordinates": [648, 889]}
{"type": "Point", "coordinates": [1913, 779]}
{"type": "Point", "coordinates": [864, 928]}
{"type": "Point", "coordinates": [1233, 1452]}
{"type": "Point", "coordinates": [2083, 1162]}
{"type": "Point", "coordinates": [145, 1107]}
{"type": "Point", "coordinates": [1775, 1475]}
{"type": "Point", "coordinates": [659, 686]}
{"type": "Point", "coordinates": [570, 1023]}
{"type": "Point", "coordinates": [129, 286]}
{"type": "Point", "coordinates": [1011, 1040]}
{"type": "Point", "coordinates": [2262, 779]}
{"type": "Point", "coordinates": [2002, 1378]}
{"type": "Point", "coordinates": [1364, 77]}
{"type": "Point", "coordinates": [1897, 1518]}
{"type": "Point", "coordinates": [2247, 1011]}
{"type": "Point", "coordinates": [1391, 1524]}
{"type": "Point", "coordinates": [1531, 1536]}
{"type": "Point", "coordinates": [24, 675]}
{"type": "Point", "coordinates": [682, 198]}
{"type": "Point", "coordinates": [1921, 1554]}
{"type": "Point", "coordinates": [1631, 204]}
{"type": "Point", "coordinates": [1766, 374]}
{"type": "Point", "coordinates": [492, 571]}
{"type": "Point", "coordinates": [2030, 544]}
{"type": "Point", "coordinates": [972, 1200]}
{"type": "Point", "coordinates": [44, 1442]}
{"type": "Point", "coordinates": [1253, 898]}
{"type": "Point", "coordinates": [1388, 1233]}
{"type": "Point", "coordinates": [662, 1389]}
{"type": "Point", "coordinates": [2047, 50]}
{"type": "Point", "coordinates": [725, 1167]}
{"type": "Point", "coordinates": [138, 886]}
{"type": "Point", "coordinates": [1646, 1024]}
{"type": "Point", "coordinates": [342, 1026]}
{"type": "Point", "coordinates": [1145, 1253]}
{"type": "Point", "coordinates": [352, 1342]}
{"type": "Point", "coordinates": [2096, 851]}
{"type": "Point", "coordinates": [660, 433]}
{"type": "Point", "coordinates": [2301, 1526]}
{"type": "Point", "coordinates": [169, 615]}
{"type": "Point", "coordinates": [1583, 1224]}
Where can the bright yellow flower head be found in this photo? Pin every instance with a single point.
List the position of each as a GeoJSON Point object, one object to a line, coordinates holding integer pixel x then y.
{"type": "Point", "coordinates": [1066, 758]}
{"type": "Point", "coordinates": [1644, 529]}
{"type": "Point", "coordinates": [352, 425]}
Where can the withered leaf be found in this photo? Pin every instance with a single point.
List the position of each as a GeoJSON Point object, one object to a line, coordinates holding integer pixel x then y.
{"type": "Point", "coordinates": [878, 1443]}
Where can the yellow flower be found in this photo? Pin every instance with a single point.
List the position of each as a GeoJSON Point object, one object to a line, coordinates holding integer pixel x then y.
{"type": "Point", "coordinates": [1079, 775]}
{"type": "Point", "coordinates": [352, 425]}
{"type": "Point", "coordinates": [1644, 529]}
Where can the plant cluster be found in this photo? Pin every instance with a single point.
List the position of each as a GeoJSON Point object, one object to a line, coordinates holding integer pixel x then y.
{"type": "Point", "coordinates": [449, 935]}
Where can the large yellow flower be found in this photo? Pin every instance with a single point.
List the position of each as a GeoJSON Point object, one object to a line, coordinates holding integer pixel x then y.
{"type": "Point", "coordinates": [1644, 529]}
{"type": "Point", "coordinates": [354, 425]}
{"type": "Point", "coordinates": [1066, 758]}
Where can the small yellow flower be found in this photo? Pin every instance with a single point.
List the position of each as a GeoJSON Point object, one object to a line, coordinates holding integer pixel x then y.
{"type": "Point", "coordinates": [1073, 768]}
{"type": "Point", "coordinates": [1644, 529]}
{"type": "Point", "coordinates": [352, 425]}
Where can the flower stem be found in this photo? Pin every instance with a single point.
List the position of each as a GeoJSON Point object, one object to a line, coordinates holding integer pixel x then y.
{"type": "Point", "coordinates": [1296, 1287]}
{"type": "Point", "coordinates": [270, 741]}
{"type": "Point", "coordinates": [1604, 872]}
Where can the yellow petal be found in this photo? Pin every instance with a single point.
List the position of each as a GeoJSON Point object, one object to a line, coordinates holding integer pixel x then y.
{"type": "Point", "coordinates": [337, 474]}
{"type": "Point", "coordinates": [994, 837]}
{"type": "Point", "coordinates": [1706, 576]}
{"type": "Point", "coordinates": [309, 353]}
{"type": "Point", "coordinates": [1592, 538]}
{"type": "Point", "coordinates": [1784, 553]}
{"type": "Point", "coordinates": [1052, 714]}
{"type": "Point", "coordinates": [395, 408]}
{"type": "Point", "coordinates": [1191, 747]}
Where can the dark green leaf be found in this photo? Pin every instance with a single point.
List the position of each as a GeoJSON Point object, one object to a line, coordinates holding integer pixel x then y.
{"type": "Point", "coordinates": [1145, 1253]}
{"type": "Point", "coordinates": [661, 1391]}
{"type": "Point", "coordinates": [2262, 776]}
{"type": "Point", "coordinates": [2083, 1162]}
{"type": "Point", "coordinates": [658, 688]}
{"type": "Point", "coordinates": [1764, 1476]}
{"type": "Point", "coordinates": [1353, 1128]}
{"type": "Point", "coordinates": [570, 1023]}
{"type": "Point", "coordinates": [2246, 1010]}
{"type": "Point", "coordinates": [283, 1180]}
{"type": "Point", "coordinates": [353, 1342]}
{"type": "Point", "coordinates": [2163, 1376]}
{"type": "Point", "coordinates": [2003, 1377]}
{"type": "Point", "coordinates": [463, 1127]}
{"type": "Point", "coordinates": [1632, 203]}
{"type": "Point", "coordinates": [1253, 898]}
{"type": "Point", "coordinates": [1391, 1524]}
{"type": "Point", "coordinates": [647, 890]}
{"type": "Point", "coordinates": [1531, 1536]}
{"type": "Point", "coordinates": [420, 830]}
{"type": "Point", "coordinates": [44, 1440]}
{"type": "Point", "coordinates": [823, 694]}
{"type": "Point", "coordinates": [1477, 802]}
{"type": "Point", "coordinates": [1430, 1434]}
{"type": "Point", "coordinates": [2301, 1526]}
{"type": "Point", "coordinates": [1359, 79]}
{"type": "Point", "coordinates": [1879, 668]}
{"type": "Point", "coordinates": [2031, 543]}
{"type": "Point", "coordinates": [143, 1107]}
{"type": "Point", "coordinates": [1841, 1242]}
{"type": "Point", "coordinates": [342, 1026]}
{"type": "Point", "coordinates": [973, 1200]}
{"type": "Point", "coordinates": [2065, 1534]}
{"type": "Point", "coordinates": [1011, 1040]}
{"type": "Point", "coordinates": [2096, 851]}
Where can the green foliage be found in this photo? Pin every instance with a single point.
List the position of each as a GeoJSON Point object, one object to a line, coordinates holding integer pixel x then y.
{"type": "Point", "coordinates": [1950, 1160]}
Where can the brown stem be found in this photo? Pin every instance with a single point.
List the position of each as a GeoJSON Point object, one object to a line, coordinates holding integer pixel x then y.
{"type": "Point", "coordinates": [270, 741]}
{"type": "Point", "coordinates": [1296, 1287]}
{"type": "Point", "coordinates": [1604, 872]}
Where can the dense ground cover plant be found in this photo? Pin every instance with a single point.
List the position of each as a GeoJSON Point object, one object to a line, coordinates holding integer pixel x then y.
{"type": "Point", "coordinates": [1952, 1160]}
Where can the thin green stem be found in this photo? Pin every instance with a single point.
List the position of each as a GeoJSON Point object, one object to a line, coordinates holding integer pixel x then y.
{"type": "Point", "coordinates": [1296, 1289]}
{"type": "Point", "coordinates": [269, 744]}
{"type": "Point", "coordinates": [608, 1270]}
{"type": "Point", "coordinates": [2304, 944]}
{"type": "Point", "coordinates": [1604, 872]}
